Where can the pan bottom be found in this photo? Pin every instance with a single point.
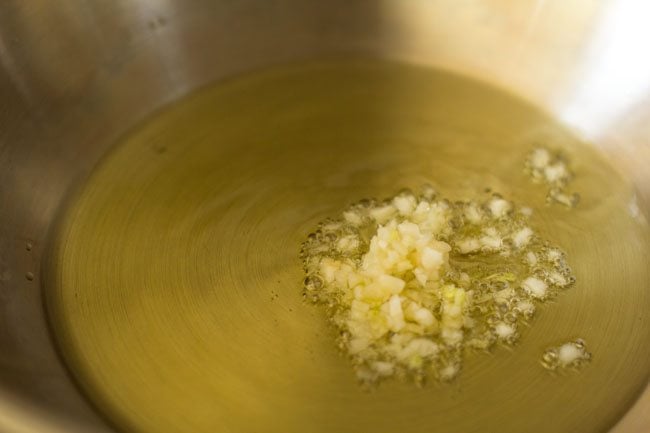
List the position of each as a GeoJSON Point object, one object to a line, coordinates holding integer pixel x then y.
{"type": "Point", "coordinates": [175, 288]}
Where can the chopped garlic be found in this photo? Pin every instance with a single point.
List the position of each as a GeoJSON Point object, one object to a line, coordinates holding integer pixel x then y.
{"type": "Point", "coordinates": [540, 157]}
{"type": "Point", "coordinates": [329, 269]}
{"type": "Point", "coordinates": [394, 314]}
{"type": "Point", "coordinates": [473, 214]}
{"type": "Point", "coordinates": [568, 353]}
{"type": "Point", "coordinates": [526, 307]}
{"type": "Point", "coordinates": [558, 279]}
{"type": "Point", "coordinates": [522, 237]}
{"type": "Point", "coordinates": [467, 246]}
{"type": "Point", "coordinates": [568, 200]}
{"type": "Point", "coordinates": [348, 243]}
{"type": "Point", "coordinates": [399, 301]}
{"type": "Point", "coordinates": [421, 347]}
{"type": "Point", "coordinates": [504, 331]}
{"type": "Point", "coordinates": [556, 172]}
{"type": "Point", "coordinates": [384, 368]}
{"type": "Point", "coordinates": [504, 295]}
{"type": "Point", "coordinates": [405, 204]}
{"type": "Point", "coordinates": [553, 254]}
{"type": "Point", "coordinates": [353, 218]}
{"type": "Point", "coordinates": [531, 258]}
{"type": "Point", "coordinates": [453, 302]}
{"type": "Point", "coordinates": [551, 169]}
{"type": "Point", "coordinates": [526, 211]}
{"type": "Point", "coordinates": [499, 207]}
{"type": "Point", "coordinates": [424, 317]}
{"type": "Point", "coordinates": [421, 212]}
{"type": "Point", "coordinates": [491, 243]}
{"type": "Point", "coordinates": [432, 259]}
{"type": "Point", "coordinates": [382, 214]}
{"type": "Point", "coordinates": [571, 354]}
{"type": "Point", "coordinates": [534, 287]}
{"type": "Point", "coordinates": [393, 284]}
{"type": "Point", "coordinates": [449, 372]}
{"type": "Point", "coordinates": [358, 344]}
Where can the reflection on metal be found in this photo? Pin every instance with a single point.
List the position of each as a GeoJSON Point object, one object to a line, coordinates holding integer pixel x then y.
{"type": "Point", "coordinates": [613, 73]}
{"type": "Point", "coordinates": [529, 29]}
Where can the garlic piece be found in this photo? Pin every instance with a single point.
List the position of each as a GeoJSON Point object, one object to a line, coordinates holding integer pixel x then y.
{"type": "Point", "coordinates": [534, 287]}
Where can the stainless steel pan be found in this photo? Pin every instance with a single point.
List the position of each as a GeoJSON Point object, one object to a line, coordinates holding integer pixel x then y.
{"type": "Point", "coordinates": [75, 75]}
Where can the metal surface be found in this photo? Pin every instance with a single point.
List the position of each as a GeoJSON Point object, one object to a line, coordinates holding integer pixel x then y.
{"type": "Point", "coordinates": [76, 75]}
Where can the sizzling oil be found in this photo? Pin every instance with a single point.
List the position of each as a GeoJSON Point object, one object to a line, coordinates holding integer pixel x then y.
{"type": "Point", "coordinates": [176, 294]}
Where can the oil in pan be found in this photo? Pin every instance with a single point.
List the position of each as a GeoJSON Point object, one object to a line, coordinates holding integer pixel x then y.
{"type": "Point", "coordinates": [175, 292]}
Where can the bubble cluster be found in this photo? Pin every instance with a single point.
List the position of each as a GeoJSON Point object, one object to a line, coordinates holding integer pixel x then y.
{"type": "Point", "coordinates": [552, 169]}
{"type": "Point", "coordinates": [572, 354]}
{"type": "Point", "coordinates": [414, 281]}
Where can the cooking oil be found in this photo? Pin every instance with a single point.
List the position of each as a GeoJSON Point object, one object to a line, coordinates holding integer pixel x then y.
{"type": "Point", "coordinates": [175, 289]}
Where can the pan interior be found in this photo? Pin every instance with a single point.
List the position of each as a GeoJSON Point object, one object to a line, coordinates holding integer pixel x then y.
{"type": "Point", "coordinates": [174, 287]}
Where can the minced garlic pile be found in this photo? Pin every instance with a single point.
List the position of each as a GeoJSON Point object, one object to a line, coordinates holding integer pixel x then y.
{"type": "Point", "coordinates": [412, 281]}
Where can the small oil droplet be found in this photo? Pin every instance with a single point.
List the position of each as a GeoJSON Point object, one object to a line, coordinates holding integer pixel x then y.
{"type": "Point", "coordinates": [29, 246]}
{"type": "Point", "coordinates": [29, 276]}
